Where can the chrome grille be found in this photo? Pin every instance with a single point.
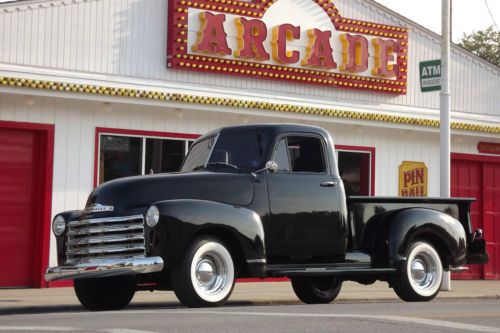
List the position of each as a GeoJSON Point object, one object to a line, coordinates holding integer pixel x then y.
{"type": "Point", "coordinates": [105, 238]}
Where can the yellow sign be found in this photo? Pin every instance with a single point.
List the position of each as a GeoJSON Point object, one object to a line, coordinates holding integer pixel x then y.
{"type": "Point", "coordinates": [413, 179]}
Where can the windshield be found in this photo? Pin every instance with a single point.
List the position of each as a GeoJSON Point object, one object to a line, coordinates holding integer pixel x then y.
{"type": "Point", "coordinates": [244, 151]}
{"type": "Point", "coordinates": [198, 155]}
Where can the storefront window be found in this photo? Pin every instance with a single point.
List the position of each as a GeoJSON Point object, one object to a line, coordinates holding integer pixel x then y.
{"type": "Point", "coordinates": [355, 170]}
{"type": "Point", "coordinates": [123, 156]}
{"type": "Point", "coordinates": [119, 157]}
{"type": "Point", "coordinates": [164, 155]}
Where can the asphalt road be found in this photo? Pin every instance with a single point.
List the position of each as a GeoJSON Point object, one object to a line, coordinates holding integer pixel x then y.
{"type": "Point", "coordinates": [437, 316]}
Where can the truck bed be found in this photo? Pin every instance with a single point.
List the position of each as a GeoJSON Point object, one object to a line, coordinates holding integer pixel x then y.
{"type": "Point", "coordinates": [362, 208]}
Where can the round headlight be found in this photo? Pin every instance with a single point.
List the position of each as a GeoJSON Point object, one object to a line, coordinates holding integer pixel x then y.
{"type": "Point", "coordinates": [58, 225]}
{"type": "Point", "coordinates": [152, 216]}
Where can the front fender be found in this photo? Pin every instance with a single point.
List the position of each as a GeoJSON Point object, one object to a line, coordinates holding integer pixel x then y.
{"type": "Point", "coordinates": [413, 223]}
{"type": "Point", "coordinates": [181, 220]}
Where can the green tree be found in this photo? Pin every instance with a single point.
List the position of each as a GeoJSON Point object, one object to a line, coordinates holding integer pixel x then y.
{"type": "Point", "coordinates": [483, 43]}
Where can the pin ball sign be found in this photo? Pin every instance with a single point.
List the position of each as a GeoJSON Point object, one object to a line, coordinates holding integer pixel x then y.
{"type": "Point", "coordinates": [413, 179]}
{"type": "Point", "coordinates": [303, 41]}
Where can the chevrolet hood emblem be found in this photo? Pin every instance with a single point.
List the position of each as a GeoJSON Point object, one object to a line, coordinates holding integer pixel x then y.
{"type": "Point", "coordinates": [97, 208]}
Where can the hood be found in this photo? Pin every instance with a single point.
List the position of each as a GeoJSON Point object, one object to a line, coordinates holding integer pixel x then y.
{"type": "Point", "coordinates": [132, 195]}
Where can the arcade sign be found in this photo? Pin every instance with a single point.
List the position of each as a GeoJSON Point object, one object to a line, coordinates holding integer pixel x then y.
{"type": "Point", "coordinates": [304, 41]}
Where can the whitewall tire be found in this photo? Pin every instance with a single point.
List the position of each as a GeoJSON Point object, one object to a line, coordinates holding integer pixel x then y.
{"type": "Point", "coordinates": [420, 277]}
{"type": "Point", "coordinates": [206, 276]}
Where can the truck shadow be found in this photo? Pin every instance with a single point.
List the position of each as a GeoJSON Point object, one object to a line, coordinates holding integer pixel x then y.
{"type": "Point", "coordinates": [48, 309]}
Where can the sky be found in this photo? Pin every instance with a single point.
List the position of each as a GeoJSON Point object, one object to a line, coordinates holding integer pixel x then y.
{"type": "Point", "coordinates": [468, 15]}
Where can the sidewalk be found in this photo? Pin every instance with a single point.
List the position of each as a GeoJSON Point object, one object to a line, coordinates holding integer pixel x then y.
{"type": "Point", "coordinates": [35, 300]}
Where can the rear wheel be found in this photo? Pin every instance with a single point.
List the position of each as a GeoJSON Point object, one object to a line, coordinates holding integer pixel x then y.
{"type": "Point", "coordinates": [420, 277]}
{"type": "Point", "coordinates": [111, 293]}
{"type": "Point", "coordinates": [205, 278]}
{"type": "Point", "coordinates": [316, 290]}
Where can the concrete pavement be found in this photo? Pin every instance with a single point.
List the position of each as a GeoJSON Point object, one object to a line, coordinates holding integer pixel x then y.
{"type": "Point", "coordinates": [43, 300]}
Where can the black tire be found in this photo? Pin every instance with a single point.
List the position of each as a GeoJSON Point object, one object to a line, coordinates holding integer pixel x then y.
{"type": "Point", "coordinates": [206, 275]}
{"type": "Point", "coordinates": [420, 277]}
{"type": "Point", "coordinates": [101, 294]}
{"type": "Point", "coordinates": [316, 290]}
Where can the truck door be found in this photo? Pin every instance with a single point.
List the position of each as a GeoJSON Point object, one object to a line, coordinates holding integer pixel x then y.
{"type": "Point", "coordinates": [305, 223]}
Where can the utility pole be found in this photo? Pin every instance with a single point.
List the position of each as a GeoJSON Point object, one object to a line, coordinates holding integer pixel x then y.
{"type": "Point", "coordinates": [444, 127]}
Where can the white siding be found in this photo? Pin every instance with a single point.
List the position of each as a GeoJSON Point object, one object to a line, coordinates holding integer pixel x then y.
{"type": "Point", "coordinates": [75, 123]}
{"type": "Point", "coordinates": [128, 38]}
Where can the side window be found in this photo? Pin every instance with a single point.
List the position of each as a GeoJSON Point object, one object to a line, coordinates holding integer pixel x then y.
{"type": "Point", "coordinates": [306, 154]}
{"type": "Point", "coordinates": [281, 156]}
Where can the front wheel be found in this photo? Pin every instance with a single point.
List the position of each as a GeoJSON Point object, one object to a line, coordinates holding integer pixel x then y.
{"type": "Point", "coordinates": [420, 277]}
{"type": "Point", "coordinates": [100, 294]}
{"type": "Point", "coordinates": [316, 290]}
{"type": "Point", "coordinates": [205, 278]}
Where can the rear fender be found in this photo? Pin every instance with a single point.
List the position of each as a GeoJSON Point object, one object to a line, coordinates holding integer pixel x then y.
{"type": "Point", "coordinates": [432, 225]}
{"type": "Point", "coordinates": [183, 220]}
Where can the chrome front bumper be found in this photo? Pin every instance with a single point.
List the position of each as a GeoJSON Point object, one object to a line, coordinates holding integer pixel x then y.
{"type": "Point", "coordinates": [105, 268]}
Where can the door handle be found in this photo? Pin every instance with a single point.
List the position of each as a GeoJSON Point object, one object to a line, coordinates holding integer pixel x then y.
{"type": "Point", "coordinates": [328, 184]}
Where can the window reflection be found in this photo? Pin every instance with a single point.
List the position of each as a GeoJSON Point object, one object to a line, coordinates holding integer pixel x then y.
{"type": "Point", "coordinates": [164, 155]}
{"type": "Point", "coordinates": [119, 157]}
{"type": "Point", "coordinates": [124, 156]}
{"type": "Point", "coordinates": [354, 168]}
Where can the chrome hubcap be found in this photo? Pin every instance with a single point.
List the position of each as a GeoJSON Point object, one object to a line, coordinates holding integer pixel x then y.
{"type": "Point", "coordinates": [418, 270]}
{"type": "Point", "coordinates": [423, 271]}
{"type": "Point", "coordinates": [211, 275]}
{"type": "Point", "coordinates": [212, 272]}
{"type": "Point", "coordinates": [205, 272]}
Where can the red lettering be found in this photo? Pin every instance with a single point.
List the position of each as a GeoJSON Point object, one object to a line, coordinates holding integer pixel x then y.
{"type": "Point", "coordinates": [251, 36]}
{"type": "Point", "coordinates": [419, 176]}
{"type": "Point", "coordinates": [319, 52]}
{"type": "Point", "coordinates": [406, 178]}
{"type": "Point", "coordinates": [212, 36]}
{"type": "Point", "coordinates": [282, 34]}
{"type": "Point", "coordinates": [354, 54]}
{"type": "Point", "coordinates": [384, 53]}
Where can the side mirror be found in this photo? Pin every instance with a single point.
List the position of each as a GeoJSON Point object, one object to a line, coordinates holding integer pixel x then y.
{"type": "Point", "coordinates": [271, 167]}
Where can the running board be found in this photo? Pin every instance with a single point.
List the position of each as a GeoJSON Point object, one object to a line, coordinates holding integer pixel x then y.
{"type": "Point", "coordinates": [459, 269]}
{"type": "Point", "coordinates": [327, 271]}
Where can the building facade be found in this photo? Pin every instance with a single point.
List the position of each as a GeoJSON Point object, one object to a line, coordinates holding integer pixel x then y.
{"type": "Point", "coordinates": [93, 90]}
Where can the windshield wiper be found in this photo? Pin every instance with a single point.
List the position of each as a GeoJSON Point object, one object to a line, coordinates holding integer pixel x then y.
{"type": "Point", "coordinates": [223, 164]}
{"type": "Point", "coordinates": [199, 167]}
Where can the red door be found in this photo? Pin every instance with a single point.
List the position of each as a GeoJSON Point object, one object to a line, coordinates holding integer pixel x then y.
{"type": "Point", "coordinates": [479, 177]}
{"type": "Point", "coordinates": [491, 218]}
{"type": "Point", "coordinates": [466, 182]}
{"type": "Point", "coordinates": [24, 198]}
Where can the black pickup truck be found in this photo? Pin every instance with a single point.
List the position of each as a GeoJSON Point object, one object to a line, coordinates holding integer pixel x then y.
{"type": "Point", "coordinates": [257, 201]}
